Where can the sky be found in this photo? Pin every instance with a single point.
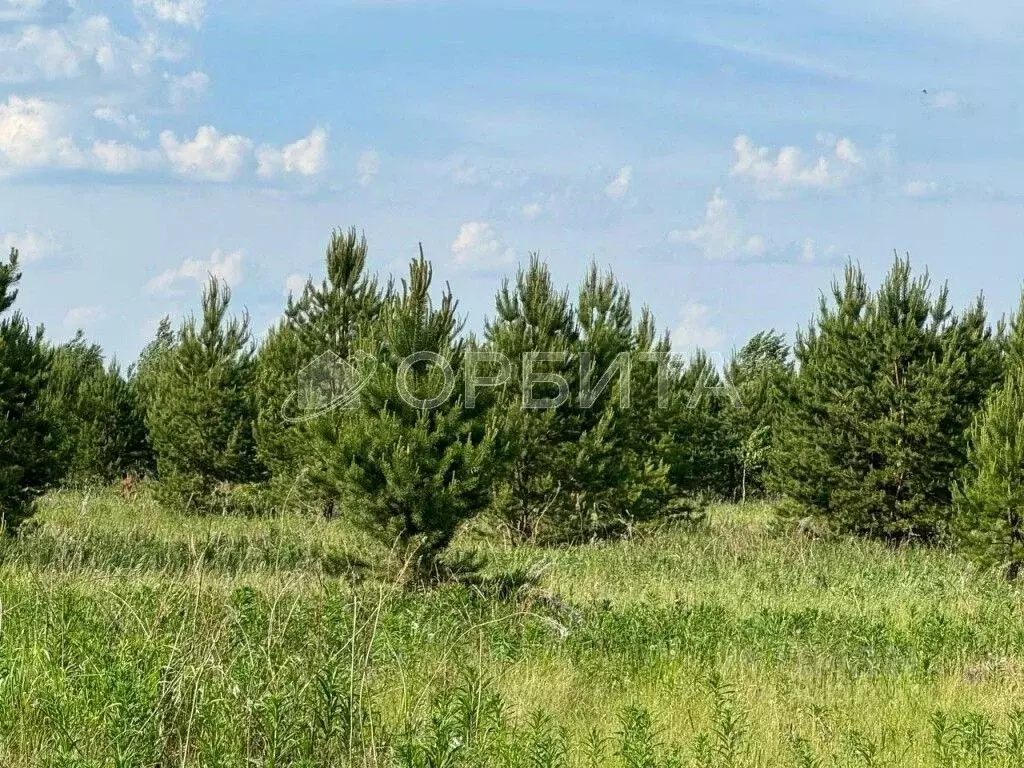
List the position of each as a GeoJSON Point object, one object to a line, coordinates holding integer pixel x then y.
{"type": "Point", "coordinates": [723, 157]}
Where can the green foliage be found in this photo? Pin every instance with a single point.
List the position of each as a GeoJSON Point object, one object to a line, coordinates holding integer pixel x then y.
{"type": "Point", "coordinates": [990, 502]}
{"type": "Point", "coordinates": [99, 429]}
{"type": "Point", "coordinates": [760, 375]}
{"type": "Point", "coordinates": [144, 374]}
{"type": "Point", "coordinates": [587, 439]}
{"type": "Point", "coordinates": [407, 471]}
{"type": "Point", "coordinates": [200, 416]}
{"type": "Point", "coordinates": [532, 318]}
{"type": "Point", "coordinates": [702, 454]}
{"type": "Point", "coordinates": [326, 318]}
{"type": "Point", "coordinates": [26, 460]}
{"type": "Point", "coordinates": [887, 384]}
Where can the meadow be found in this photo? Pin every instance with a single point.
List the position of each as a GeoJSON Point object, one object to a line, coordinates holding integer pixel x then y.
{"type": "Point", "coordinates": [130, 636]}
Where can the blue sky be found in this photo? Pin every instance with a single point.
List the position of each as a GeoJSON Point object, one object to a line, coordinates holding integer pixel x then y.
{"type": "Point", "coordinates": [724, 158]}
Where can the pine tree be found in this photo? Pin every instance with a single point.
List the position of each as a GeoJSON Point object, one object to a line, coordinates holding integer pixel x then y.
{"type": "Point", "coordinates": [533, 318]}
{"type": "Point", "coordinates": [759, 374]}
{"type": "Point", "coordinates": [200, 417]}
{"type": "Point", "coordinates": [143, 377]}
{"type": "Point", "coordinates": [702, 456]}
{"type": "Point", "coordinates": [990, 500]}
{"type": "Point", "coordinates": [145, 372]}
{"type": "Point", "coordinates": [409, 463]}
{"type": "Point", "coordinates": [617, 476]}
{"type": "Point", "coordinates": [99, 430]}
{"type": "Point", "coordinates": [26, 460]}
{"type": "Point", "coordinates": [325, 319]}
{"type": "Point", "coordinates": [874, 431]}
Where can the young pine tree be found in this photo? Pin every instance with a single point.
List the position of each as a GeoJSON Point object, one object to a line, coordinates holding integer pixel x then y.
{"type": "Point", "coordinates": [410, 462]}
{"type": "Point", "coordinates": [145, 372]}
{"type": "Point", "coordinates": [26, 458]}
{"type": "Point", "coordinates": [760, 374]}
{"type": "Point", "coordinates": [619, 473]}
{"type": "Point", "coordinates": [326, 318]}
{"type": "Point", "coordinates": [874, 431]}
{"type": "Point", "coordinates": [990, 500]}
{"type": "Point", "coordinates": [533, 318]}
{"type": "Point", "coordinates": [99, 430]}
{"type": "Point", "coordinates": [702, 456]}
{"type": "Point", "coordinates": [200, 417]}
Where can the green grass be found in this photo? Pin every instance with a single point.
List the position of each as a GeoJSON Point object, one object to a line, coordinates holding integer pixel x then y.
{"type": "Point", "coordinates": [132, 637]}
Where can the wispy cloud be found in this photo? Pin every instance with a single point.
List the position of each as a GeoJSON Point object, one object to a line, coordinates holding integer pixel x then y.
{"type": "Point", "coordinates": [182, 12]}
{"type": "Point", "coordinates": [223, 265]}
{"type": "Point", "coordinates": [32, 244]}
{"type": "Point", "coordinates": [367, 166]}
{"type": "Point", "coordinates": [619, 186]}
{"type": "Point", "coordinates": [82, 317]}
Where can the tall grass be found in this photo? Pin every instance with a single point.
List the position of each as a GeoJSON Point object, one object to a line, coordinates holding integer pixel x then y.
{"type": "Point", "coordinates": [130, 637]}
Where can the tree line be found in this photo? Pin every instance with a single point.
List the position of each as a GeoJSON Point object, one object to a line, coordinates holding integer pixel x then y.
{"type": "Point", "coordinates": [893, 415]}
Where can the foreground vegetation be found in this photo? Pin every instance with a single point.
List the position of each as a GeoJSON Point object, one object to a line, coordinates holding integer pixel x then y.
{"type": "Point", "coordinates": [134, 637]}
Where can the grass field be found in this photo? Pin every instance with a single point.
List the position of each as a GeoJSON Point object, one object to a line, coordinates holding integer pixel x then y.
{"type": "Point", "coordinates": [130, 637]}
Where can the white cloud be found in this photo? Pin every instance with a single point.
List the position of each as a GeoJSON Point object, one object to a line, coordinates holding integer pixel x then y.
{"type": "Point", "coordinates": [619, 186]}
{"type": "Point", "coordinates": [464, 173]}
{"type": "Point", "coordinates": [294, 284]}
{"type": "Point", "coordinates": [82, 317]}
{"type": "Point", "coordinates": [126, 122]}
{"type": "Point", "coordinates": [187, 13]}
{"type": "Point", "coordinates": [183, 90]}
{"type": "Point", "coordinates": [306, 157]}
{"type": "Point", "coordinates": [921, 190]}
{"type": "Point", "coordinates": [791, 169]}
{"type": "Point", "coordinates": [949, 100]}
{"type": "Point", "coordinates": [226, 266]}
{"type": "Point", "coordinates": [720, 236]}
{"type": "Point", "coordinates": [477, 245]}
{"type": "Point", "coordinates": [808, 252]}
{"type": "Point", "coordinates": [117, 157]}
{"type": "Point", "coordinates": [81, 47]}
{"type": "Point", "coordinates": [367, 165]}
{"type": "Point", "coordinates": [32, 136]}
{"type": "Point", "coordinates": [19, 10]}
{"type": "Point", "coordinates": [31, 244]}
{"type": "Point", "coordinates": [210, 155]}
{"type": "Point", "coordinates": [694, 330]}
{"type": "Point", "coordinates": [531, 211]}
